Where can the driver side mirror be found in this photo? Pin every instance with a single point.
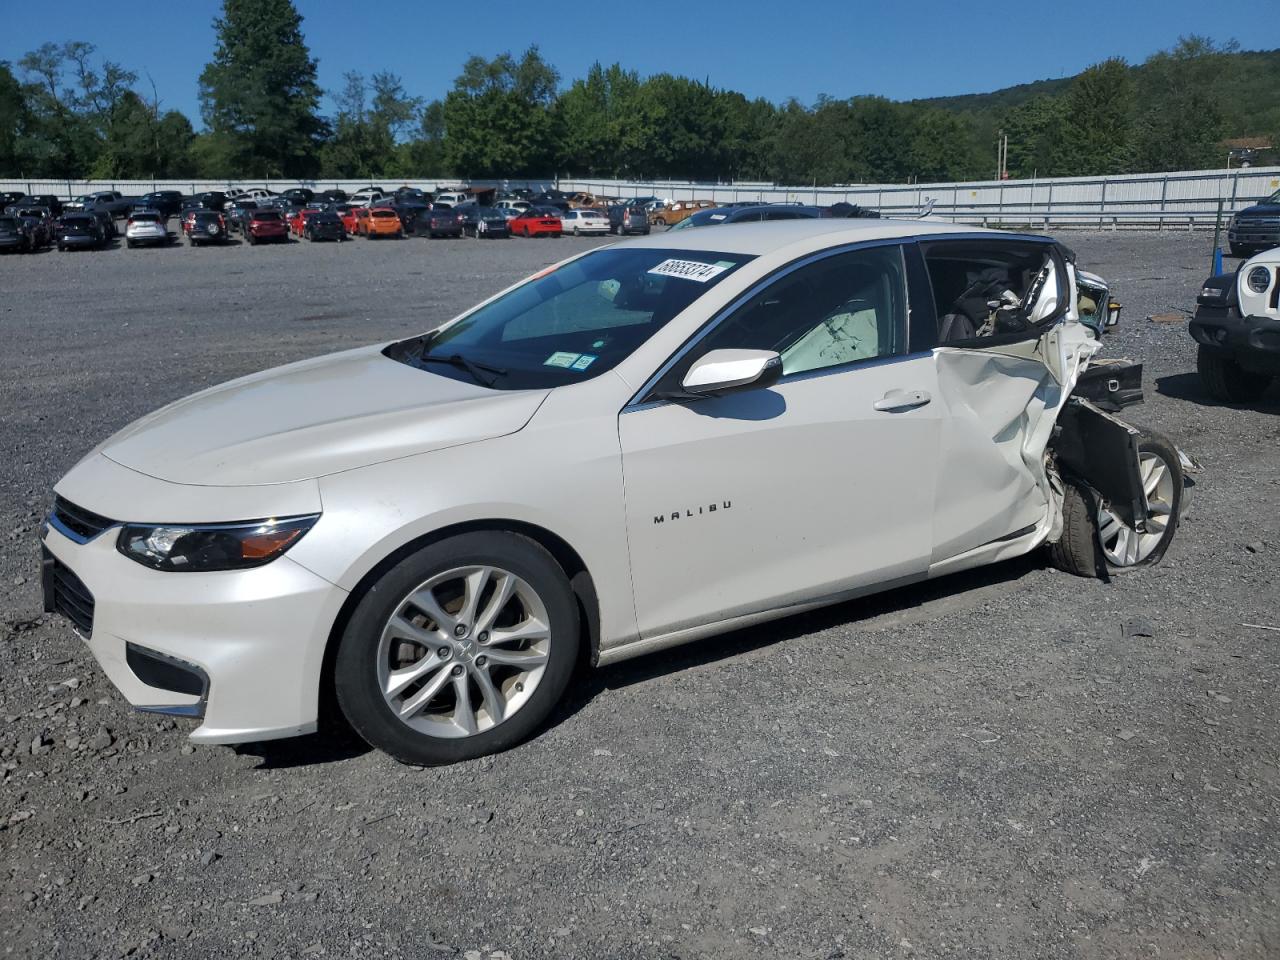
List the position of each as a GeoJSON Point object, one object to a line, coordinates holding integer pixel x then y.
{"type": "Point", "coordinates": [728, 371]}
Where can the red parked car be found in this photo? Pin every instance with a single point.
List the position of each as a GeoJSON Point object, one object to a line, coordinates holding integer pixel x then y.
{"type": "Point", "coordinates": [298, 220]}
{"type": "Point", "coordinates": [536, 222]}
{"type": "Point", "coordinates": [267, 225]}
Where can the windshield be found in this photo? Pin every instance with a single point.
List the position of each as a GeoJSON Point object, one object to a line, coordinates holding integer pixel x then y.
{"type": "Point", "coordinates": [261, 215]}
{"type": "Point", "coordinates": [146, 218]}
{"type": "Point", "coordinates": [1274, 198]}
{"type": "Point", "coordinates": [8, 223]}
{"type": "Point", "coordinates": [572, 323]}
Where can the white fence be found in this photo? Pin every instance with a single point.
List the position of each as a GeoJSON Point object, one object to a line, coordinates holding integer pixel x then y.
{"type": "Point", "coordinates": [1181, 199]}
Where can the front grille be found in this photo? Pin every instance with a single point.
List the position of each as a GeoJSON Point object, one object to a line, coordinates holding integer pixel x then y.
{"type": "Point", "coordinates": [68, 595]}
{"type": "Point", "coordinates": [84, 524]}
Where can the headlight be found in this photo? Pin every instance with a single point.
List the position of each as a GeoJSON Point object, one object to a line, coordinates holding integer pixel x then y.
{"type": "Point", "coordinates": [203, 547]}
{"type": "Point", "coordinates": [1259, 279]}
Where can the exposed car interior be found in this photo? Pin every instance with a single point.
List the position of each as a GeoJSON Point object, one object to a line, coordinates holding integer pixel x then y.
{"type": "Point", "coordinates": [985, 291]}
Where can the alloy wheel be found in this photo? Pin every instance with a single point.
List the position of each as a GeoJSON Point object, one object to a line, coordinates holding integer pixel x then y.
{"type": "Point", "coordinates": [1124, 547]}
{"type": "Point", "coordinates": [463, 651]}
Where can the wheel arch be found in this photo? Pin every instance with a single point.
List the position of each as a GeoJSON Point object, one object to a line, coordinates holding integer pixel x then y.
{"type": "Point", "coordinates": [570, 561]}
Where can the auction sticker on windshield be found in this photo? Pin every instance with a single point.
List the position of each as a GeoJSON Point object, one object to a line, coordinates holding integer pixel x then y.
{"type": "Point", "coordinates": [562, 358]}
{"type": "Point", "coordinates": [690, 269]}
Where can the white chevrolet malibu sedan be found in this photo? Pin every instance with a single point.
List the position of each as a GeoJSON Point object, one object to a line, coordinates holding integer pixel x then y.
{"type": "Point", "coordinates": [650, 443]}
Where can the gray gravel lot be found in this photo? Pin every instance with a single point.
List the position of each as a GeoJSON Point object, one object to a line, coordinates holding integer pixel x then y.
{"type": "Point", "coordinates": [979, 767]}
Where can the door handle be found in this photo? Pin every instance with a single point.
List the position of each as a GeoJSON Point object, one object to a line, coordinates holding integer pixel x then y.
{"type": "Point", "coordinates": [902, 400]}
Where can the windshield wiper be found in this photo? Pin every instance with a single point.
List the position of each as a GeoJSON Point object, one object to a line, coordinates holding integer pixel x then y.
{"type": "Point", "coordinates": [473, 367]}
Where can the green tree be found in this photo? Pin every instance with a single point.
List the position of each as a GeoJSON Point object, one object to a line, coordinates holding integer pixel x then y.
{"type": "Point", "coordinates": [259, 94]}
{"type": "Point", "coordinates": [1097, 136]}
{"type": "Point", "coordinates": [497, 117]}
{"type": "Point", "coordinates": [1181, 126]}
{"type": "Point", "coordinates": [15, 120]}
{"type": "Point", "coordinates": [1035, 128]}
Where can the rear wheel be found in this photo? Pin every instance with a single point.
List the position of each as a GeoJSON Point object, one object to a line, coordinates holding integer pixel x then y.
{"type": "Point", "coordinates": [460, 650]}
{"type": "Point", "coordinates": [1226, 380]}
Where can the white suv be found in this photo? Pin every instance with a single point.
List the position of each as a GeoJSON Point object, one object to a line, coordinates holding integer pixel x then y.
{"type": "Point", "coordinates": [146, 226]}
{"type": "Point", "coordinates": [653, 442]}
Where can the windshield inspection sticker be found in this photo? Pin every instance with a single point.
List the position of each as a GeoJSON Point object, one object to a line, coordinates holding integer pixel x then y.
{"type": "Point", "coordinates": [583, 362]}
{"type": "Point", "coordinates": [690, 269]}
{"type": "Point", "coordinates": [563, 359]}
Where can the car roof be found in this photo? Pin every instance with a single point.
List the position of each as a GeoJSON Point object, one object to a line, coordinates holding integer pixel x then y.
{"type": "Point", "coordinates": [756, 239]}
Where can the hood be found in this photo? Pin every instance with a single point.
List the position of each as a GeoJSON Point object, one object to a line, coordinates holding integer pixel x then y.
{"type": "Point", "coordinates": [313, 418]}
{"type": "Point", "coordinates": [1263, 209]}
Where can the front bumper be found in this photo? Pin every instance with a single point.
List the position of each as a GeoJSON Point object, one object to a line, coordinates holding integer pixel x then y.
{"type": "Point", "coordinates": [1255, 341]}
{"type": "Point", "coordinates": [256, 636]}
{"type": "Point", "coordinates": [1244, 234]}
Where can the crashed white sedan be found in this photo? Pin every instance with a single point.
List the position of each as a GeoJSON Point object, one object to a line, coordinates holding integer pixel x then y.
{"type": "Point", "coordinates": [650, 443]}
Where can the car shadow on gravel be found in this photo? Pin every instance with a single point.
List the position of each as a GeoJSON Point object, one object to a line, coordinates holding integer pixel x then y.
{"type": "Point", "coordinates": [1187, 386]}
{"type": "Point", "coordinates": [335, 743]}
{"type": "Point", "coordinates": [898, 603]}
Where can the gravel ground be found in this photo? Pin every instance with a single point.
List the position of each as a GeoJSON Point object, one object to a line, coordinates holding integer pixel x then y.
{"type": "Point", "coordinates": [984, 766]}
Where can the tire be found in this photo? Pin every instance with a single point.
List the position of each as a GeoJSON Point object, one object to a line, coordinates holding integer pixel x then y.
{"type": "Point", "coordinates": [1226, 380]}
{"type": "Point", "coordinates": [253, 240]}
{"type": "Point", "coordinates": [370, 645]}
{"type": "Point", "coordinates": [129, 244]}
{"type": "Point", "coordinates": [1095, 542]}
{"type": "Point", "coordinates": [1076, 552]}
{"type": "Point", "coordinates": [576, 232]}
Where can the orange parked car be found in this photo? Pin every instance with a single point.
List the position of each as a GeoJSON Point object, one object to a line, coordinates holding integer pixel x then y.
{"type": "Point", "coordinates": [675, 212]}
{"type": "Point", "coordinates": [381, 222]}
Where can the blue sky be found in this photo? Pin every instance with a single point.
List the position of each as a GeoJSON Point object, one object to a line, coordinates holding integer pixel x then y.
{"type": "Point", "coordinates": [769, 49]}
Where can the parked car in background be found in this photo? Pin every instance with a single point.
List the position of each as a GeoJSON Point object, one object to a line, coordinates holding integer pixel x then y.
{"type": "Point", "coordinates": [351, 217]}
{"type": "Point", "coordinates": [325, 225]}
{"type": "Point", "coordinates": [78, 231]}
{"type": "Point", "coordinates": [250, 193]}
{"type": "Point", "coordinates": [205, 226]}
{"type": "Point", "coordinates": [298, 196]}
{"type": "Point", "coordinates": [537, 222]}
{"type": "Point", "coordinates": [106, 221]}
{"type": "Point", "coordinates": [166, 202]}
{"type": "Point", "coordinates": [484, 223]}
{"type": "Point", "coordinates": [673, 213]}
{"type": "Point", "coordinates": [146, 227]}
{"type": "Point", "coordinates": [454, 198]}
{"type": "Point", "coordinates": [112, 202]}
{"type": "Point", "coordinates": [15, 235]}
{"type": "Point", "coordinates": [213, 200]}
{"type": "Point", "coordinates": [1255, 228]}
{"type": "Point", "coordinates": [237, 212]}
{"type": "Point", "coordinates": [441, 220]}
{"type": "Point", "coordinates": [626, 219]}
{"type": "Point", "coordinates": [31, 200]}
{"type": "Point", "coordinates": [1237, 325]}
{"type": "Point", "coordinates": [512, 208]}
{"type": "Point", "coordinates": [578, 200]}
{"type": "Point", "coordinates": [335, 195]}
{"type": "Point", "coordinates": [408, 210]}
{"type": "Point", "coordinates": [298, 219]}
{"type": "Point", "coordinates": [585, 220]}
{"type": "Point", "coordinates": [9, 198]}
{"type": "Point", "coordinates": [266, 225]}
{"type": "Point", "coordinates": [39, 221]}
{"type": "Point", "coordinates": [367, 195]}
{"type": "Point", "coordinates": [754, 213]}
{"type": "Point", "coordinates": [381, 222]}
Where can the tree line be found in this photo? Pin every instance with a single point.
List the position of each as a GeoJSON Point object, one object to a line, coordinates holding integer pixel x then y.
{"type": "Point", "coordinates": [66, 113]}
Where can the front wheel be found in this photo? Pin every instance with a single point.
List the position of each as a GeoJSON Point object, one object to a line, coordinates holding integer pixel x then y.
{"type": "Point", "coordinates": [460, 650]}
{"type": "Point", "coordinates": [1094, 539]}
{"type": "Point", "coordinates": [1226, 380]}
